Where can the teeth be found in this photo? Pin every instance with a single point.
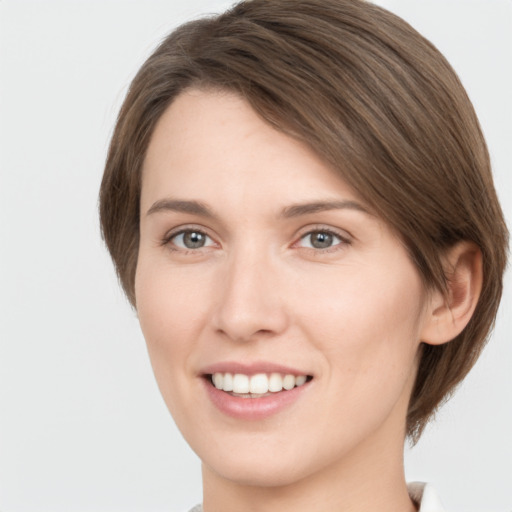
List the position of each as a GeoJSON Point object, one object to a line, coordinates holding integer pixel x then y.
{"type": "Point", "coordinates": [300, 380]}
{"type": "Point", "coordinates": [288, 382]}
{"type": "Point", "coordinates": [218, 380]}
{"type": "Point", "coordinates": [275, 383]}
{"type": "Point", "coordinates": [258, 384]}
{"type": "Point", "coordinates": [228, 382]}
{"type": "Point", "coordinates": [240, 383]}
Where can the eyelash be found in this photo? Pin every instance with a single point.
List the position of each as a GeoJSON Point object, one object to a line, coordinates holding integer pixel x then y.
{"type": "Point", "coordinates": [343, 240]}
{"type": "Point", "coordinates": [168, 239]}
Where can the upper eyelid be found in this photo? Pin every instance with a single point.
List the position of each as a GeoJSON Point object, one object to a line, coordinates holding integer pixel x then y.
{"type": "Point", "coordinates": [171, 233]}
{"type": "Point", "coordinates": [341, 233]}
{"type": "Point", "coordinates": [187, 227]}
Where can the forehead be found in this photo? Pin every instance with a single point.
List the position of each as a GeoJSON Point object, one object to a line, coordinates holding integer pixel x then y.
{"type": "Point", "coordinates": [212, 142]}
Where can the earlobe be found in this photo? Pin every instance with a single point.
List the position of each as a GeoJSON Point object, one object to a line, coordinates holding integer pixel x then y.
{"type": "Point", "coordinates": [449, 313]}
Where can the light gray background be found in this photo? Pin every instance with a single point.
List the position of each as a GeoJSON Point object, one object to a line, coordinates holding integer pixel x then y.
{"type": "Point", "coordinates": [82, 426]}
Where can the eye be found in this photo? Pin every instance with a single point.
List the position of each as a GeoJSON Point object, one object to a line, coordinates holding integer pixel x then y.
{"type": "Point", "coordinates": [321, 239]}
{"type": "Point", "coordinates": [190, 239]}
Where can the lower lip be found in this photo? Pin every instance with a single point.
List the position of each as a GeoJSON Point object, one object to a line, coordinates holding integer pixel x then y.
{"type": "Point", "coordinates": [253, 409]}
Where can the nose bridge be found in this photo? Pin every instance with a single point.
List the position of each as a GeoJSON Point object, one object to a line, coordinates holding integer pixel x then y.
{"type": "Point", "coordinates": [249, 301]}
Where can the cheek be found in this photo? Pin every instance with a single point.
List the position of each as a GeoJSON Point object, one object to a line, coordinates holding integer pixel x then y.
{"type": "Point", "coordinates": [169, 312]}
{"type": "Point", "coordinates": [364, 297]}
{"type": "Point", "coordinates": [169, 303]}
{"type": "Point", "coordinates": [367, 326]}
{"type": "Point", "coordinates": [366, 329]}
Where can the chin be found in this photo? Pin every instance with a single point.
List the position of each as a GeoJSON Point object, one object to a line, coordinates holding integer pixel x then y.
{"type": "Point", "coordinates": [256, 473]}
{"type": "Point", "coordinates": [263, 459]}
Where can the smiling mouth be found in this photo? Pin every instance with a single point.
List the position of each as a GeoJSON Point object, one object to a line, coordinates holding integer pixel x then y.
{"type": "Point", "coordinates": [256, 386]}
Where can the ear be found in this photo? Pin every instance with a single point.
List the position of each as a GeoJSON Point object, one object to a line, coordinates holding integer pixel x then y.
{"type": "Point", "coordinates": [448, 313]}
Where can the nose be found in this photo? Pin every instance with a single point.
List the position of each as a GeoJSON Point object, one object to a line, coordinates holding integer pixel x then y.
{"type": "Point", "coordinates": [250, 302]}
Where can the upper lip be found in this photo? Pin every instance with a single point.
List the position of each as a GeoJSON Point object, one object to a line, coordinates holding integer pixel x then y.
{"type": "Point", "coordinates": [251, 368]}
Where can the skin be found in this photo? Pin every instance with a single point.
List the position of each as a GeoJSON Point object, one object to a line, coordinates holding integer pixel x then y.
{"type": "Point", "coordinates": [351, 315]}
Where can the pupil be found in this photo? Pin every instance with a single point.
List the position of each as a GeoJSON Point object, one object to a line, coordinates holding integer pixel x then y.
{"type": "Point", "coordinates": [321, 240]}
{"type": "Point", "coordinates": [193, 240]}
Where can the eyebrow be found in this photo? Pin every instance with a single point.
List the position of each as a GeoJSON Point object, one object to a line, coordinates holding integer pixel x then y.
{"type": "Point", "coordinates": [182, 206]}
{"type": "Point", "coordinates": [296, 210]}
{"type": "Point", "coordinates": [321, 206]}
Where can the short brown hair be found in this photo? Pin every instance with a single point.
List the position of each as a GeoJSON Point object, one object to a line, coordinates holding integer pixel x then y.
{"type": "Point", "coordinates": [373, 98]}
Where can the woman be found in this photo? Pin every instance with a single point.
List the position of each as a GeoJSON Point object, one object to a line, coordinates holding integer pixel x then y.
{"type": "Point", "coordinates": [299, 205]}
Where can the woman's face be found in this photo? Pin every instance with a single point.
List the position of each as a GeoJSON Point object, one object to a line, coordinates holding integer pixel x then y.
{"type": "Point", "coordinates": [256, 262]}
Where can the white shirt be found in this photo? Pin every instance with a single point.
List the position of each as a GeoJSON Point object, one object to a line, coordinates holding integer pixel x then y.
{"type": "Point", "coordinates": [425, 496]}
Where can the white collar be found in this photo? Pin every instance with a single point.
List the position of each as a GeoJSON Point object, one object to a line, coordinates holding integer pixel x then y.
{"type": "Point", "coordinates": [425, 496]}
